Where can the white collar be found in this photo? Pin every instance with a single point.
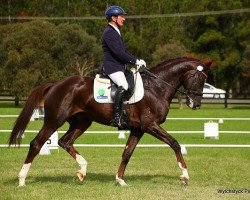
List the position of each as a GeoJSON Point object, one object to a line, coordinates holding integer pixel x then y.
{"type": "Point", "coordinates": [117, 29]}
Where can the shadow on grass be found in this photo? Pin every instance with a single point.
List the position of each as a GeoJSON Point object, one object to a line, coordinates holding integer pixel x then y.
{"type": "Point", "coordinates": [91, 177]}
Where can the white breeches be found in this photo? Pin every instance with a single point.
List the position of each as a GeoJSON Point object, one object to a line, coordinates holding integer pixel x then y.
{"type": "Point", "coordinates": [119, 79]}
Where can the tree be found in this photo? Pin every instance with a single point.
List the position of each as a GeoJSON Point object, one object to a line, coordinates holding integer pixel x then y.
{"type": "Point", "coordinates": [173, 49]}
{"type": "Point", "coordinates": [220, 37]}
{"type": "Point", "coordinates": [36, 52]}
{"type": "Point", "coordinates": [74, 48]}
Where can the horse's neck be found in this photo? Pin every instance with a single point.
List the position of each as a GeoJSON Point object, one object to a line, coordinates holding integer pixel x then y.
{"type": "Point", "coordinates": [170, 77]}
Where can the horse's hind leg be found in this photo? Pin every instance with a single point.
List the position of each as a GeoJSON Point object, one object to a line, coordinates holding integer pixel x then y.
{"type": "Point", "coordinates": [76, 129]}
{"type": "Point", "coordinates": [35, 146]}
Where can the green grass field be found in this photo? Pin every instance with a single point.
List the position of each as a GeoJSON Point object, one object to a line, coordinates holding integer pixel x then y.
{"type": "Point", "coordinates": [152, 173]}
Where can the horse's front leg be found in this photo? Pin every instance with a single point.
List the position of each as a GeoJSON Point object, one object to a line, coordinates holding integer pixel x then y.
{"type": "Point", "coordinates": [156, 131]}
{"type": "Point", "coordinates": [134, 138]}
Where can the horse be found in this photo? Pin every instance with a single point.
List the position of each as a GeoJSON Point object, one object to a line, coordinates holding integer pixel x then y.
{"type": "Point", "coordinates": [71, 100]}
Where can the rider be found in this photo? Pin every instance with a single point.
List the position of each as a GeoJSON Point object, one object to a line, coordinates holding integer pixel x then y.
{"type": "Point", "coordinates": [115, 58]}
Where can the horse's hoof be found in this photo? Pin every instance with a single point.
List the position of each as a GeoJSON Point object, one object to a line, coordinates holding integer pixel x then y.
{"type": "Point", "coordinates": [120, 181]}
{"type": "Point", "coordinates": [20, 185]}
{"type": "Point", "coordinates": [21, 182]}
{"type": "Point", "coordinates": [184, 180]}
{"type": "Point", "coordinates": [80, 175]}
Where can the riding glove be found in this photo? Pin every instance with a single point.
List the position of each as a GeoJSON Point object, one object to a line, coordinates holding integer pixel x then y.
{"type": "Point", "coordinates": [140, 63]}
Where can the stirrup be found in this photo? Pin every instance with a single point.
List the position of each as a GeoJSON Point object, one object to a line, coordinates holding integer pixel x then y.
{"type": "Point", "coordinates": [119, 122]}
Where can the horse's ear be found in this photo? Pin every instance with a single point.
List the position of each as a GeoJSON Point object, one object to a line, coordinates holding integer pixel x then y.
{"type": "Point", "coordinates": [210, 64]}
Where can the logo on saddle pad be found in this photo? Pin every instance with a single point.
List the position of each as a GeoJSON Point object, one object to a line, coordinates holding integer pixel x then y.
{"type": "Point", "coordinates": [103, 91]}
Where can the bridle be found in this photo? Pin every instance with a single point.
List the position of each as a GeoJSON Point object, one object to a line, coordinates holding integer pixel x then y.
{"type": "Point", "coordinates": [186, 92]}
{"type": "Point", "coordinates": [196, 81]}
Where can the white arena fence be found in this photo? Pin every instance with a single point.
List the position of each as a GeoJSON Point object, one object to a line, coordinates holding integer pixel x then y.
{"type": "Point", "coordinates": [122, 133]}
{"type": "Point", "coordinates": [171, 118]}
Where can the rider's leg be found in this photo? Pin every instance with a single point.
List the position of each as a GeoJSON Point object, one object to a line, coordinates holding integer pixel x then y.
{"type": "Point", "coordinates": [119, 79]}
{"type": "Point", "coordinates": [118, 101]}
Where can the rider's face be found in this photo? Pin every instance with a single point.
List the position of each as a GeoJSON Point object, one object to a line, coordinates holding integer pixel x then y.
{"type": "Point", "coordinates": [119, 20]}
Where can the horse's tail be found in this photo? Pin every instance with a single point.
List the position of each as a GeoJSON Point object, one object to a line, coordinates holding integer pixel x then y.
{"type": "Point", "coordinates": [33, 101]}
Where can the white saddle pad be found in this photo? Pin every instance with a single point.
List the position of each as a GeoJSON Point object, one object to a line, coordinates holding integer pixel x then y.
{"type": "Point", "coordinates": [102, 89]}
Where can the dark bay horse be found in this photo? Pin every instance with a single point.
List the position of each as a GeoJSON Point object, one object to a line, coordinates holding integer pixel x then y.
{"type": "Point", "coordinates": [71, 100]}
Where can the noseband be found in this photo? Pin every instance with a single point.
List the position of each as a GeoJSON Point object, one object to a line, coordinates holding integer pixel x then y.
{"type": "Point", "coordinates": [186, 92]}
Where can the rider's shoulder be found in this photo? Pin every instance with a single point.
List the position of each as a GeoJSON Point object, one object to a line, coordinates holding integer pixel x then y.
{"type": "Point", "coordinates": [109, 32]}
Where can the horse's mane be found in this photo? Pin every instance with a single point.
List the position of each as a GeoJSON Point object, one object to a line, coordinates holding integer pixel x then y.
{"type": "Point", "coordinates": [147, 80]}
{"type": "Point", "coordinates": [173, 62]}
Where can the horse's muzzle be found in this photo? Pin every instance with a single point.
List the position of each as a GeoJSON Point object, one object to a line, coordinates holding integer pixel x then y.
{"type": "Point", "coordinates": [193, 104]}
{"type": "Point", "coordinates": [196, 107]}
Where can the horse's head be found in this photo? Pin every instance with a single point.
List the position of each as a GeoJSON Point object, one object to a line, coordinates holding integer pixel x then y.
{"type": "Point", "coordinates": [187, 72]}
{"type": "Point", "coordinates": [193, 82]}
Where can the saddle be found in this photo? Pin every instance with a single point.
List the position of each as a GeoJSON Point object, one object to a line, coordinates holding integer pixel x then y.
{"type": "Point", "coordinates": [104, 88]}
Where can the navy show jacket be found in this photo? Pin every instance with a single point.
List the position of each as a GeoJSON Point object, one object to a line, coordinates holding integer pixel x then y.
{"type": "Point", "coordinates": [115, 53]}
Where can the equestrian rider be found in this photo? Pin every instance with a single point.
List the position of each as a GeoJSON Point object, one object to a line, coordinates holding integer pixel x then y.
{"type": "Point", "coordinates": [115, 58]}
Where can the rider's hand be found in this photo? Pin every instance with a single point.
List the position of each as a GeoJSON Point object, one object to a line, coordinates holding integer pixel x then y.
{"type": "Point", "coordinates": [140, 63]}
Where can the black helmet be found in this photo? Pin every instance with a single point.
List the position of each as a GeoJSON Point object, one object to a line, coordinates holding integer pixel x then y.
{"type": "Point", "coordinates": [114, 11]}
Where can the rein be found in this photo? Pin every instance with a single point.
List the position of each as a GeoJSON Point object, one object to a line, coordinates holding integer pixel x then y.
{"type": "Point", "coordinates": [151, 74]}
{"type": "Point", "coordinates": [186, 92]}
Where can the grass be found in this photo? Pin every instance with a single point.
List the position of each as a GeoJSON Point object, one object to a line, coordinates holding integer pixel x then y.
{"type": "Point", "coordinates": [152, 173]}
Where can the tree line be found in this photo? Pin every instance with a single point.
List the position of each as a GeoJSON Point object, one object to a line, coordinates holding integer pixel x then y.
{"type": "Point", "coordinates": [33, 52]}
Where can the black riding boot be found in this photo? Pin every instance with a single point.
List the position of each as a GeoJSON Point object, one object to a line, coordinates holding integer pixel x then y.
{"type": "Point", "coordinates": [118, 101]}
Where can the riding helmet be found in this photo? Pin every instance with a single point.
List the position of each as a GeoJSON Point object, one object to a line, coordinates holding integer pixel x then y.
{"type": "Point", "coordinates": [114, 11]}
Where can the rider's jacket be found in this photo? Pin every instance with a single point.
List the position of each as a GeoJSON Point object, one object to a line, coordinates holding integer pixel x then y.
{"type": "Point", "coordinates": [115, 53]}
